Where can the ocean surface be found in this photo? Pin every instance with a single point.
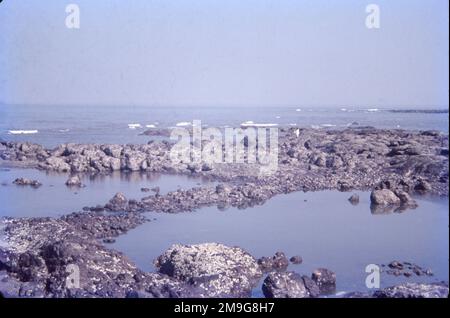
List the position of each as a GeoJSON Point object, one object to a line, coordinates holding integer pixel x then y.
{"type": "Point", "coordinates": [53, 125]}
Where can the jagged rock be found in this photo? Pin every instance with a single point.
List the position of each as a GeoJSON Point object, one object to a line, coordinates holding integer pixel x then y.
{"type": "Point", "coordinates": [384, 197]}
{"type": "Point", "coordinates": [278, 262]}
{"type": "Point", "coordinates": [284, 285]}
{"type": "Point", "coordinates": [74, 181]}
{"type": "Point", "coordinates": [325, 279]}
{"type": "Point", "coordinates": [118, 203]}
{"type": "Point", "coordinates": [215, 268]}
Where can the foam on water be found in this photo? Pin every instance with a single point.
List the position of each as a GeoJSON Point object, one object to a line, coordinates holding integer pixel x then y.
{"type": "Point", "coordinates": [134, 126]}
{"type": "Point", "coordinates": [251, 123]}
{"type": "Point", "coordinates": [22, 132]}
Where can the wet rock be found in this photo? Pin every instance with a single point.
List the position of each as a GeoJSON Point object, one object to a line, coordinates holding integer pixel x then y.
{"type": "Point", "coordinates": [284, 285]}
{"type": "Point", "coordinates": [325, 279]}
{"type": "Point", "coordinates": [296, 259]}
{"type": "Point", "coordinates": [311, 286]}
{"type": "Point", "coordinates": [354, 199]}
{"type": "Point", "coordinates": [215, 268]}
{"type": "Point", "coordinates": [406, 269]}
{"type": "Point", "coordinates": [74, 181]}
{"type": "Point", "coordinates": [27, 182]}
{"type": "Point", "coordinates": [422, 186]}
{"type": "Point", "coordinates": [145, 190]}
{"type": "Point", "coordinates": [414, 290]}
{"type": "Point", "coordinates": [118, 203]}
{"type": "Point", "coordinates": [406, 200]}
{"type": "Point", "coordinates": [384, 197]}
{"type": "Point", "coordinates": [396, 265]}
{"type": "Point", "coordinates": [278, 262]}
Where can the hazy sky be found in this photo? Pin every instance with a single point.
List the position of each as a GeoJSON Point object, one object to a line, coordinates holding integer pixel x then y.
{"type": "Point", "coordinates": [229, 52]}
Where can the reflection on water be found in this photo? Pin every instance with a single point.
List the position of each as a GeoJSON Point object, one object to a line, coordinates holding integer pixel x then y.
{"type": "Point", "coordinates": [326, 230]}
{"type": "Point", "coordinates": [53, 198]}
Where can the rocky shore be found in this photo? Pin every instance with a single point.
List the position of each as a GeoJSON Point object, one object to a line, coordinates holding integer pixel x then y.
{"type": "Point", "coordinates": [35, 253]}
{"type": "Point", "coordinates": [37, 256]}
{"type": "Point", "coordinates": [309, 159]}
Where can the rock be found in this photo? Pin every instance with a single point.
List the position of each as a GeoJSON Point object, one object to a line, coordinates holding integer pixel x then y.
{"type": "Point", "coordinates": [311, 286]}
{"type": "Point", "coordinates": [74, 181]}
{"type": "Point", "coordinates": [422, 186]}
{"type": "Point", "coordinates": [414, 290]}
{"type": "Point", "coordinates": [206, 167]}
{"type": "Point", "coordinates": [296, 259]}
{"type": "Point", "coordinates": [354, 199]}
{"type": "Point", "coordinates": [278, 262]}
{"type": "Point", "coordinates": [57, 164]}
{"type": "Point", "coordinates": [325, 279]}
{"type": "Point", "coordinates": [113, 151]}
{"type": "Point", "coordinates": [109, 240]}
{"type": "Point", "coordinates": [396, 265]}
{"type": "Point", "coordinates": [216, 269]}
{"type": "Point", "coordinates": [406, 200]}
{"type": "Point", "coordinates": [145, 190]}
{"type": "Point", "coordinates": [384, 197]}
{"type": "Point", "coordinates": [27, 182]}
{"type": "Point", "coordinates": [284, 285]}
{"type": "Point", "coordinates": [117, 203]}
{"type": "Point", "coordinates": [222, 189]}
{"type": "Point", "coordinates": [135, 161]}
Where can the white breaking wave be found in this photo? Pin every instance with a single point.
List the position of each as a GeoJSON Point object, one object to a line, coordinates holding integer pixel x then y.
{"type": "Point", "coordinates": [64, 130]}
{"type": "Point", "coordinates": [22, 132]}
{"type": "Point", "coordinates": [298, 110]}
{"type": "Point", "coordinates": [134, 126]}
{"type": "Point", "coordinates": [150, 126]}
{"type": "Point", "coordinates": [183, 124]}
{"type": "Point", "coordinates": [250, 123]}
{"type": "Point", "coordinates": [328, 125]}
{"type": "Point", "coordinates": [372, 109]}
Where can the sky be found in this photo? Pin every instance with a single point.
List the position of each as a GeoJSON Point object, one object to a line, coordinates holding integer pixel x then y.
{"type": "Point", "coordinates": [225, 53]}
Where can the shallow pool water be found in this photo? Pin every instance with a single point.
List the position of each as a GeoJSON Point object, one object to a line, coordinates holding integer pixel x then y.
{"type": "Point", "coordinates": [322, 227]}
{"type": "Point", "coordinates": [54, 198]}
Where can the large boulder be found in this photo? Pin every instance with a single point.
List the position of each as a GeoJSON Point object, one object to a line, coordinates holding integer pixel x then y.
{"type": "Point", "coordinates": [384, 197]}
{"type": "Point", "coordinates": [325, 279]}
{"type": "Point", "coordinates": [289, 285]}
{"type": "Point", "coordinates": [219, 270]}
